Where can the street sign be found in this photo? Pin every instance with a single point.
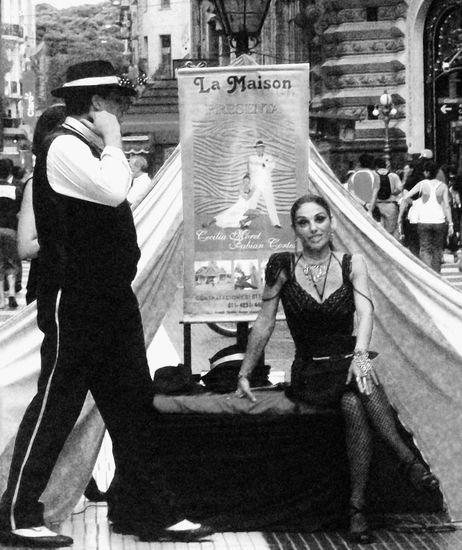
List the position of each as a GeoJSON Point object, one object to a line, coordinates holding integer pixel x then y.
{"type": "Point", "coordinates": [450, 107]}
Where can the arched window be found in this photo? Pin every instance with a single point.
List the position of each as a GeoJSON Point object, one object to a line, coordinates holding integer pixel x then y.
{"type": "Point", "coordinates": [443, 79]}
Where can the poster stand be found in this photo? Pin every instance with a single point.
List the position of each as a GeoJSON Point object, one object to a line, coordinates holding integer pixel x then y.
{"type": "Point", "coordinates": [244, 130]}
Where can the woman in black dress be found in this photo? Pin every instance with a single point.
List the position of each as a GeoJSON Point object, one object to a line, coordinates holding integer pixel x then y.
{"type": "Point", "coordinates": [321, 291]}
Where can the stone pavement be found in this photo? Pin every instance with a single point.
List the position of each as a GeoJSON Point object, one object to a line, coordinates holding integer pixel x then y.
{"type": "Point", "coordinates": [450, 271]}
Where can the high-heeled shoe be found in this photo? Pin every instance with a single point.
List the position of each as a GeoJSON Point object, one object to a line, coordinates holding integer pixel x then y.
{"type": "Point", "coordinates": [419, 475]}
{"type": "Point", "coordinates": [359, 529]}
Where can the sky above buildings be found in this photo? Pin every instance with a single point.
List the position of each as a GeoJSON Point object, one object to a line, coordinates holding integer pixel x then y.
{"type": "Point", "coordinates": [60, 4]}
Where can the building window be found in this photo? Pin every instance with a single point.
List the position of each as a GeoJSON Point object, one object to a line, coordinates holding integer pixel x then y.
{"type": "Point", "coordinates": [166, 54]}
{"type": "Point", "coordinates": [372, 14]}
{"type": "Point", "coordinates": [164, 4]}
{"type": "Point", "coordinates": [14, 87]}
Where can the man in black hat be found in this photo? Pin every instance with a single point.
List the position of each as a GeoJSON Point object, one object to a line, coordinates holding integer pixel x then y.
{"type": "Point", "coordinates": [93, 336]}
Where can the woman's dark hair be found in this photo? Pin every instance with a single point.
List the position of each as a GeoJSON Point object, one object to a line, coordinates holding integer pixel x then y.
{"type": "Point", "coordinates": [48, 121]}
{"type": "Point", "coordinates": [304, 199]}
{"type": "Point", "coordinates": [430, 167]}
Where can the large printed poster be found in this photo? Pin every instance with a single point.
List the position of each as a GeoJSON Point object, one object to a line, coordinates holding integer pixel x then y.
{"type": "Point", "coordinates": [244, 143]}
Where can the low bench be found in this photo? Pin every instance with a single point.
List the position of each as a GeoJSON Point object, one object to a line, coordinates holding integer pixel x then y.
{"type": "Point", "coordinates": [270, 465]}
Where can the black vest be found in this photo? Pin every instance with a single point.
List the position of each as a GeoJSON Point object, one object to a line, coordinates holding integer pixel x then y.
{"type": "Point", "coordinates": [83, 245]}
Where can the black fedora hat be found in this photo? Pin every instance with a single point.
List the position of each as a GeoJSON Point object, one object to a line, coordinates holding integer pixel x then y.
{"type": "Point", "coordinates": [224, 370]}
{"type": "Point", "coordinates": [91, 74]}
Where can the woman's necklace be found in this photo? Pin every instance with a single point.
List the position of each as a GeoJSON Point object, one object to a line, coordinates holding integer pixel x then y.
{"type": "Point", "coordinates": [316, 273]}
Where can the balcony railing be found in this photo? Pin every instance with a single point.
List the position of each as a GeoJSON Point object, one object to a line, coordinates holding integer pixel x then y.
{"type": "Point", "coordinates": [11, 29]}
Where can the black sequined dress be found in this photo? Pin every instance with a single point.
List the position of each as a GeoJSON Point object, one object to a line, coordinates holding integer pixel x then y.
{"type": "Point", "coordinates": [319, 330]}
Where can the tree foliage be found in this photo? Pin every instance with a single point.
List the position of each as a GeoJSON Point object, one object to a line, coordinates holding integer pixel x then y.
{"type": "Point", "coordinates": [79, 33]}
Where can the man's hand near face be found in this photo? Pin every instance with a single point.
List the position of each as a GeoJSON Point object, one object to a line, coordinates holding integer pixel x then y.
{"type": "Point", "coordinates": [107, 126]}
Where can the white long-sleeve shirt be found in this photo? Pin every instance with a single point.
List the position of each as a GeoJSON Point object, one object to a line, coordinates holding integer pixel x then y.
{"type": "Point", "coordinates": [139, 189]}
{"type": "Point", "coordinates": [73, 171]}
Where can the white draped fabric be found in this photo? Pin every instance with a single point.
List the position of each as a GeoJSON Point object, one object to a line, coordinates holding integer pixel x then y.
{"type": "Point", "coordinates": [418, 323]}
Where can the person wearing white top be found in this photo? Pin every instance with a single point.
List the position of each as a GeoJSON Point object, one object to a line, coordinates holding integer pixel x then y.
{"type": "Point", "coordinates": [434, 221]}
{"type": "Point", "coordinates": [142, 183]}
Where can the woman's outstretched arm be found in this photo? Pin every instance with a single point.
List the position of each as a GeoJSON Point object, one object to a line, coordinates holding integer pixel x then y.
{"type": "Point", "coordinates": [360, 368]}
{"type": "Point", "coordinates": [259, 336]}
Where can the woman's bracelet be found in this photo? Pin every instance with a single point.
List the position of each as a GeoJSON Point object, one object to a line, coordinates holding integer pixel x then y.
{"type": "Point", "coordinates": [242, 375]}
{"type": "Point", "coordinates": [362, 361]}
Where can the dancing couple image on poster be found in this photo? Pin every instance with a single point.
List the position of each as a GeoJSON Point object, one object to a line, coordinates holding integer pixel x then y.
{"type": "Point", "coordinates": [255, 186]}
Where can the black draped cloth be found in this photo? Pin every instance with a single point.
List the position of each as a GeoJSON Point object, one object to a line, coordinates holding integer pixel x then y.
{"type": "Point", "coordinates": [286, 472]}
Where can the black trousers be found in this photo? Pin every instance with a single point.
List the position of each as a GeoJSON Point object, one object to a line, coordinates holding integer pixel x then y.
{"type": "Point", "coordinates": [91, 343]}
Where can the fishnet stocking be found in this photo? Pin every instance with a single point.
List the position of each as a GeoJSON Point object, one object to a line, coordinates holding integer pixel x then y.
{"type": "Point", "coordinates": [381, 416]}
{"type": "Point", "coordinates": [358, 446]}
{"type": "Point", "coordinates": [358, 411]}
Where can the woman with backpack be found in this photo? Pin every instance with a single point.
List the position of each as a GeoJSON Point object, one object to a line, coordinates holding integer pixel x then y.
{"type": "Point", "coordinates": [387, 196]}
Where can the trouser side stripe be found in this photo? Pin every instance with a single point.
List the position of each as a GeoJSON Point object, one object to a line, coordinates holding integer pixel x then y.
{"type": "Point", "coordinates": [39, 419]}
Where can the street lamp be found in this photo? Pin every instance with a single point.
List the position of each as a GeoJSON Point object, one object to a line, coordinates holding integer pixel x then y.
{"type": "Point", "coordinates": [242, 21]}
{"type": "Point", "coordinates": [386, 110]}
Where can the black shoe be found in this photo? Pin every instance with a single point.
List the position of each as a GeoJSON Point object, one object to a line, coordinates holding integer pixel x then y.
{"type": "Point", "coordinates": [11, 539]}
{"type": "Point", "coordinates": [93, 494]}
{"type": "Point", "coordinates": [419, 475]}
{"type": "Point", "coordinates": [169, 535]}
{"type": "Point", "coordinates": [12, 303]}
{"type": "Point", "coordinates": [359, 530]}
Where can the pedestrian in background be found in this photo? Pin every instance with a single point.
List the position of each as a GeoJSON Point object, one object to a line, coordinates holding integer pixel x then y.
{"type": "Point", "coordinates": [10, 200]}
{"type": "Point", "coordinates": [456, 211]}
{"type": "Point", "coordinates": [142, 183]}
{"type": "Point", "coordinates": [407, 223]}
{"type": "Point", "coordinates": [434, 218]}
{"type": "Point", "coordinates": [387, 196]}
{"type": "Point", "coordinates": [364, 183]}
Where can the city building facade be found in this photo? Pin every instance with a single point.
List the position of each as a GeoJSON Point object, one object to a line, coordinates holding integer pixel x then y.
{"type": "Point", "coordinates": [18, 45]}
{"type": "Point", "coordinates": [358, 50]}
{"type": "Point", "coordinates": [161, 34]}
